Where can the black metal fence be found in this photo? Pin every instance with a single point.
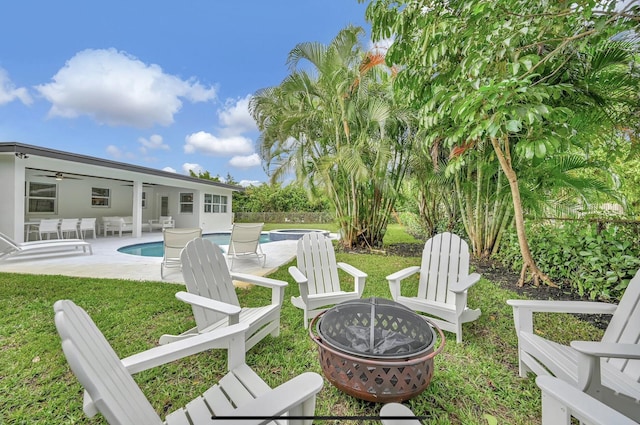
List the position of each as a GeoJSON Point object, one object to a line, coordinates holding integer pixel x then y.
{"type": "Point", "coordinates": [283, 217]}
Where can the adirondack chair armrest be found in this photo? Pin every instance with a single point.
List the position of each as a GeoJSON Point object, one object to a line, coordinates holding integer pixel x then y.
{"type": "Point", "coordinates": [358, 275]}
{"type": "Point", "coordinates": [581, 307]}
{"type": "Point", "coordinates": [523, 310]}
{"type": "Point", "coordinates": [284, 397]}
{"type": "Point", "coordinates": [302, 282]}
{"type": "Point", "coordinates": [607, 349]}
{"type": "Point", "coordinates": [589, 354]}
{"type": "Point", "coordinates": [397, 414]}
{"type": "Point", "coordinates": [259, 280]}
{"type": "Point", "coordinates": [353, 271]}
{"type": "Point", "coordinates": [465, 284]}
{"type": "Point", "coordinates": [397, 277]}
{"type": "Point", "coordinates": [403, 274]}
{"type": "Point", "coordinates": [167, 353]}
{"type": "Point", "coordinates": [277, 286]}
{"type": "Point", "coordinates": [297, 275]}
{"type": "Point", "coordinates": [208, 303]}
{"type": "Point", "coordinates": [560, 400]}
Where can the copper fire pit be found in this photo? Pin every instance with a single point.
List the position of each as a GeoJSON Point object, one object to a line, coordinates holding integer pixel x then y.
{"type": "Point", "coordinates": [387, 359]}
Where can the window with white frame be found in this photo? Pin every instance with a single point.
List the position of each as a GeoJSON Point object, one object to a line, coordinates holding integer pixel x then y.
{"type": "Point", "coordinates": [100, 197]}
{"type": "Point", "coordinates": [42, 198]}
{"type": "Point", "coordinates": [186, 203]}
{"type": "Point", "coordinates": [215, 203]}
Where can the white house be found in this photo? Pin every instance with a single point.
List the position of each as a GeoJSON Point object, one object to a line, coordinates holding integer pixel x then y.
{"type": "Point", "coordinates": [38, 183]}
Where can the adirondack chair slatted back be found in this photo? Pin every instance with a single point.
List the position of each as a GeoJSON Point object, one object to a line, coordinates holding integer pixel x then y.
{"type": "Point", "coordinates": [205, 273]}
{"type": "Point", "coordinates": [317, 260]}
{"type": "Point", "coordinates": [444, 260]}
{"type": "Point", "coordinates": [245, 238]}
{"type": "Point", "coordinates": [112, 389]}
{"type": "Point", "coordinates": [624, 327]}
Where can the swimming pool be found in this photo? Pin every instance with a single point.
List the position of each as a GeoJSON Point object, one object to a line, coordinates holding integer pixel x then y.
{"type": "Point", "coordinates": [156, 249]}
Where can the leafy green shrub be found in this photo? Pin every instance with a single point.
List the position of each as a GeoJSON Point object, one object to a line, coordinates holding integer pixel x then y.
{"type": "Point", "coordinates": [413, 225]}
{"type": "Point", "coordinates": [417, 228]}
{"type": "Point", "coordinates": [593, 260]}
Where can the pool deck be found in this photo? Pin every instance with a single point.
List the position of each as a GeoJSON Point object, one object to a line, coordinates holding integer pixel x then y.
{"type": "Point", "coordinates": [107, 262]}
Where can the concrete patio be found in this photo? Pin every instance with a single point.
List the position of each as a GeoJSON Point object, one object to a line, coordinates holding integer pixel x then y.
{"type": "Point", "coordinates": [107, 262]}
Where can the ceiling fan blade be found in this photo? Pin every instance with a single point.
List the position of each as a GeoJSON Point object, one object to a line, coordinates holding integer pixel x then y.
{"type": "Point", "coordinates": [57, 176]}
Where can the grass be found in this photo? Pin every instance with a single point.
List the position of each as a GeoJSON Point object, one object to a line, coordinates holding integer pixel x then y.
{"type": "Point", "coordinates": [471, 380]}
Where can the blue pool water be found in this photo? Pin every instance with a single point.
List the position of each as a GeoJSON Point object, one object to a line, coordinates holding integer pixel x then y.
{"type": "Point", "coordinates": [156, 249]}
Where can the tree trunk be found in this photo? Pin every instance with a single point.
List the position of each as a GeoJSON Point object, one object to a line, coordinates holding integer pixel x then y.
{"type": "Point", "coordinates": [528, 263]}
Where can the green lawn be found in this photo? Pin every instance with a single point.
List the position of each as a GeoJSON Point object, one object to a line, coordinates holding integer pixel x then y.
{"type": "Point", "coordinates": [471, 380]}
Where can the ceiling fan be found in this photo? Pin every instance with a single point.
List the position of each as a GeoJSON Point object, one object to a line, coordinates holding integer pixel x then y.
{"type": "Point", "coordinates": [58, 176]}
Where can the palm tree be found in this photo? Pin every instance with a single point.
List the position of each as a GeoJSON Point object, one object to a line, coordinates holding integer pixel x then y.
{"type": "Point", "coordinates": [338, 127]}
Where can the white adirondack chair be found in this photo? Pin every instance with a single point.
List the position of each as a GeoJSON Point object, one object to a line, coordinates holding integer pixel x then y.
{"type": "Point", "coordinates": [317, 276]}
{"type": "Point", "coordinates": [397, 414]}
{"type": "Point", "coordinates": [213, 298]}
{"type": "Point", "coordinates": [608, 370]}
{"type": "Point", "coordinates": [111, 390]}
{"type": "Point", "coordinates": [444, 282]}
{"type": "Point", "coordinates": [562, 401]}
{"type": "Point", "coordinates": [245, 242]}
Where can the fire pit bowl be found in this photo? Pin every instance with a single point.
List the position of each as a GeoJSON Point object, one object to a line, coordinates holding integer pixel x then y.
{"type": "Point", "coordinates": [376, 349]}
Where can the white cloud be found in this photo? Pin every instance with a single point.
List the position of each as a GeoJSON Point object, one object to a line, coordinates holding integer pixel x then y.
{"type": "Point", "coordinates": [235, 118]}
{"type": "Point", "coordinates": [116, 88]}
{"type": "Point", "coordinates": [206, 143]}
{"type": "Point", "coordinates": [9, 92]}
{"type": "Point", "coordinates": [114, 151]}
{"type": "Point", "coordinates": [152, 143]}
{"type": "Point", "coordinates": [380, 46]}
{"type": "Point", "coordinates": [246, 183]}
{"type": "Point", "coordinates": [252, 160]}
{"type": "Point", "coordinates": [169, 170]}
{"type": "Point", "coordinates": [196, 168]}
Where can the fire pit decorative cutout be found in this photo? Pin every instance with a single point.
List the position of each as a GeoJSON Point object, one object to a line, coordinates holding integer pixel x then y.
{"type": "Point", "coordinates": [376, 349]}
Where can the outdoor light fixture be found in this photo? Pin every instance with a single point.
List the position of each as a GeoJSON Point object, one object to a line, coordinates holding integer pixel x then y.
{"type": "Point", "coordinates": [58, 176]}
{"type": "Point", "coordinates": [22, 155]}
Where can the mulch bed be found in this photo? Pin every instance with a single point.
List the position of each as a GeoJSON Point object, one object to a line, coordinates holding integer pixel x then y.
{"type": "Point", "coordinates": [508, 279]}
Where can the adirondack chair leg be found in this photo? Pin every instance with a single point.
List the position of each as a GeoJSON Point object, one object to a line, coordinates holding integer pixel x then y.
{"type": "Point", "coordinates": [306, 318]}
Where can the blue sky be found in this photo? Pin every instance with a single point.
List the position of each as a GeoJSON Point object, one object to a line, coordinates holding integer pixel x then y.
{"type": "Point", "coordinates": [160, 84]}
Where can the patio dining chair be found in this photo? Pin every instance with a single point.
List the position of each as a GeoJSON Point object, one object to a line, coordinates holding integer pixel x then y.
{"type": "Point", "coordinates": [48, 227]}
{"type": "Point", "coordinates": [111, 390]}
{"type": "Point", "coordinates": [87, 225]}
{"type": "Point", "coordinates": [69, 227]}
